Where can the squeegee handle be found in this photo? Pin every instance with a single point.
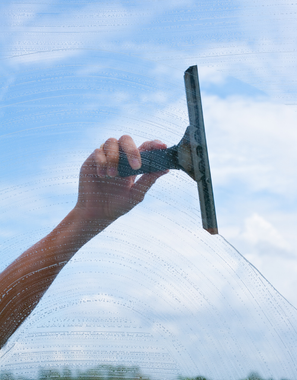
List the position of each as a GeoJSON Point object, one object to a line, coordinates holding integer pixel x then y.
{"type": "Point", "coordinates": [152, 161]}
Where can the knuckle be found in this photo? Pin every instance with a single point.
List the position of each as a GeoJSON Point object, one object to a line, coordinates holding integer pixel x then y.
{"type": "Point", "coordinates": [111, 141]}
{"type": "Point", "coordinates": [146, 145]}
{"type": "Point", "coordinates": [125, 138]}
{"type": "Point", "coordinates": [140, 198]}
{"type": "Point", "coordinates": [126, 142]}
{"type": "Point", "coordinates": [111, 149]}
{"type": "Point", "coordinates": [99, 156]}
{"type": "Point", "coordinates": [112, 155]}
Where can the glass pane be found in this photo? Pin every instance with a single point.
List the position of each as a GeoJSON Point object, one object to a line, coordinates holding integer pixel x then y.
{"type": "Point", "coordinates": [153, 295]}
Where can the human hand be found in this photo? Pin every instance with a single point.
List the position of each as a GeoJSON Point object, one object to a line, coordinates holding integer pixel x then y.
{"type": "Point", "coordinates": [103, 195]}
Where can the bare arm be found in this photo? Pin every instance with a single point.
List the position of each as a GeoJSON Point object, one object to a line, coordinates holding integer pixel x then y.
{"type": "Point", "coordinates": [103, 197]}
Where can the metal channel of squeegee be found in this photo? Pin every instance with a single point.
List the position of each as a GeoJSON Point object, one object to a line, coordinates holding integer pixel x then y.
{"type": "Point", "coordinates": [199, 151]}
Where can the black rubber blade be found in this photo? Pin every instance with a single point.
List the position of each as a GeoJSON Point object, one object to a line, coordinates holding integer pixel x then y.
{"type": "Point", "coordinates": [199, 151]}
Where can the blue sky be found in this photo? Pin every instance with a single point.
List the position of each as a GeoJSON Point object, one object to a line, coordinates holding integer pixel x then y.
{"type": "Point", "coordinates": [74, 74]}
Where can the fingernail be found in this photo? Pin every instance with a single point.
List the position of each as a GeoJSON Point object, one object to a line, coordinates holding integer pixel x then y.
{"type": "Point", "coordinates": [135, 163]}
{"type": "Point", "coordinates": [112, 171]}
{"type": "Point", "coordinates": [158, 141]}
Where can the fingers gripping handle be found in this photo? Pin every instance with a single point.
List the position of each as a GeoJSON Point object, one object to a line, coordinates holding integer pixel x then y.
{"type": "Point", "coordinates": [152, 161]}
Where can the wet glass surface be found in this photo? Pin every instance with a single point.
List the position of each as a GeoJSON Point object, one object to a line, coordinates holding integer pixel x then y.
{"type": "Point", "coordinates": [153, 290]}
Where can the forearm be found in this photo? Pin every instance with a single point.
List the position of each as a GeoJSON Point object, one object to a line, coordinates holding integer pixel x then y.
{"type": "Point", "coordinates": [103, 197]}
{"type": "Point", "coordinates": [25, 281]}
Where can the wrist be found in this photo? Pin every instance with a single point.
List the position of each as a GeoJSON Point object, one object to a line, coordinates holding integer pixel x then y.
{"type": "Point", "coordinates": [87, 221]}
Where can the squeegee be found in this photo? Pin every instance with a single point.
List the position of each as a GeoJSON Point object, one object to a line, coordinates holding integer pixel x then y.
{"type": "Point", "coordinates": [189, 155]}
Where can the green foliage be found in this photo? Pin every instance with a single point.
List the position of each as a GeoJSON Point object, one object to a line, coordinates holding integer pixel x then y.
{"type": "Point", "coordinates": [193, 378]}
{"type": "Point", "coordinates": [10, 376]}
{"type": "Point", "coordinates": [253, 376]}
{"type": "Point", "coordinates": [104, 372]}
{"type": "Point", "coordinates": [256, 376]}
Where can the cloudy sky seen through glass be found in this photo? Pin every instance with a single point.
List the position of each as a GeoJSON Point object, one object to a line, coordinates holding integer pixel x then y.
{"type": "Point", "coordinates": [72, 75]}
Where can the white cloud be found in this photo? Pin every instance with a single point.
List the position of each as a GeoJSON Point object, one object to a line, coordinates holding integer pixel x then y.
{"type": "Point", "coordinates": [257, 46]}
{"type": "Point", "coordinates": [258, 230]}
{"type": "Point", "coordinates": [53, 32]}
{"type": "Point", "coordinates": [264, 54]}
{"type": "Point", "coordinates": [252, 148]}
{"type": "Point", "coordinates": [252, 141]}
